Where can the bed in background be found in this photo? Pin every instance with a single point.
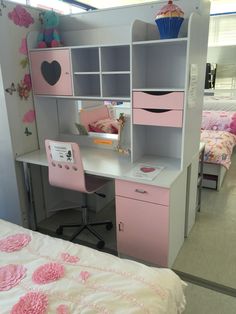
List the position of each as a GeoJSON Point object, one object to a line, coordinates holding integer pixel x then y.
{"type": "Point", "coordinates": [218, 133]}
{"type": "Point", "coordinates": [40, 274]}
{"type": "Point", "coordinates": [99, 120]}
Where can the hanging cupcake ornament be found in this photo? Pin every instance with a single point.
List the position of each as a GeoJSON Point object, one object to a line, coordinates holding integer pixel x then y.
{"type": "Point", "coordinates": [169, 20]}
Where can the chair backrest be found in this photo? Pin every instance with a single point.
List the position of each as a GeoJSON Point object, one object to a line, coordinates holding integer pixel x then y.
{"type": "Point", "coordinates": [65, 167]}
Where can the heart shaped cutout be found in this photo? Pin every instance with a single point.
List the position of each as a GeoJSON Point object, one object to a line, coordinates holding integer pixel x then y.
{"type": "Point", "coordinates": [51, 72]}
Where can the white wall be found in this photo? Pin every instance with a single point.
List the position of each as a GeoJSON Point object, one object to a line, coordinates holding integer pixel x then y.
{"type": "Point", "coordinates": [9, 198]}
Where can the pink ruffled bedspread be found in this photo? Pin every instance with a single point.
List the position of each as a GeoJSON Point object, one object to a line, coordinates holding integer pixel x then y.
{"type": "Point", "coordinates": [40, 274]}
{"type": "Point", "coordinates": [219, 146]}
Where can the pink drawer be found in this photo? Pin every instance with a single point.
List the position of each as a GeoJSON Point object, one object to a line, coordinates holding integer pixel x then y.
{"type": "Point", "coordinates": [143, 192]}
{"type": "Point", "coordinates": [172, 118]}
{"type": "Point", "coordinates": [149, 100]}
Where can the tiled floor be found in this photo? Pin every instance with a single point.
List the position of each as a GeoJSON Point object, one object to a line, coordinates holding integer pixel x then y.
{"type": "Point", "coordinates": [210, 250]}
{"type": "Point", "coordinates": [204, 301]}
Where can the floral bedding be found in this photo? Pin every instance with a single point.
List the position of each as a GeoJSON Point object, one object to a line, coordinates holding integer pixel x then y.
{"type": "Point", "coordinates": [219, 121]}
{"type": "Point", "coordinates": [219, 146]}
{"type": "Point", "coordinates": [40, 274]}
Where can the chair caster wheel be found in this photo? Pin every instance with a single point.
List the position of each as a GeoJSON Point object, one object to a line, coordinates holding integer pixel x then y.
{"type": "Point", "coordinates": [59, 231]}
{"type": "Point", "coordinates": [100, 244]}
{"type": "Point", "coordinates": [109, 226]}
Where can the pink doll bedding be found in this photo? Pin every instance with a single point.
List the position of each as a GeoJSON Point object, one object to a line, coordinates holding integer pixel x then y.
{"type": "Point", "coordinates": [219, 121]}
{"type": "Point", "coordinates": [218, 133]}
{"type": "Point", "coordinates": [43, 275]}
{"type": "Point", "coordinates": [98, 120]}
{"type": "Point", "coordinates": [219, 146]}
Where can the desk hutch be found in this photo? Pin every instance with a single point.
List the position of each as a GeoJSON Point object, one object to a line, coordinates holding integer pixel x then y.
{"type": "Point", "coordinates": [116, 54]}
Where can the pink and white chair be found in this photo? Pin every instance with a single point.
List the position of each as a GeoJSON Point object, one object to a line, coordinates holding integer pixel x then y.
{"type": "Point", "coordinates": [65, 170]}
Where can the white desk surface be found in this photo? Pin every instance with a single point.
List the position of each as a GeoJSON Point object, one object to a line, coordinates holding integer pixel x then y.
{"type": "Point", "coordinates": [111, 164]}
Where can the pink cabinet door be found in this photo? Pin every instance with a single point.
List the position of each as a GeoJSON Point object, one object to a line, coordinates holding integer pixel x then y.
{"type": "Point", "coordinates": [51, 72]}
{"type": "Point", "coordinates": [142, 230]}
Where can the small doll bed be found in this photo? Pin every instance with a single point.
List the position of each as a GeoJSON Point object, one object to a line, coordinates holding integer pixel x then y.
{"type": "Point", "coordinates": [72, 279]}
{"type": "Point", "coordinates": [218, 134]}
{"type": "Point", "coordinates": [99, 120]}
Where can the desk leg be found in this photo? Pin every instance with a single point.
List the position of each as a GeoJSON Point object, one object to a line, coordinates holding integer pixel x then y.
{"type": "Point", "coordinates": [29, 187]}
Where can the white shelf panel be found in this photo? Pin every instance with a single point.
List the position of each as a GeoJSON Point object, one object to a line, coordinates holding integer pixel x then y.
{"type": "Point", "coordinates": [161, 41]}
{"type": "Point", "coordinates": [120, 98]}
{"type": "Point", "coordinates": [158, 89]}
{"type": "Point", "coordinates": [116, 72]}
{"type": "Point", "coordinates": [85, 73]}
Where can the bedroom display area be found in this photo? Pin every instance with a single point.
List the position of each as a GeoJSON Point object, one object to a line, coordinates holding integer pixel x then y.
{"type": "Point", "coordinates": [209, 253]}
{"type": "Point", "coordinates": [116, 102]}
{"type": "Point", "coordinates": [99, 92]}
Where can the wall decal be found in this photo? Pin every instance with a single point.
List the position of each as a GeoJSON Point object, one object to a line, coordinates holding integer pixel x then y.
{"type": "Point", "coordinates": [24, 87]}
{"type": "Point", "coordinates": [29, 117]}
{"type": "Point", "coordinates": [20, 16]}
{"type": "Point", "coordinates": [24, 51]}
{"type": "Point", "coordinates": [11, 89]}
{"type": "Point", "coordinates": [27, 132]}
{"type": "Point", "coordinates": [3, 6]}
{"type": "Point", "coordinates": [24, 62]}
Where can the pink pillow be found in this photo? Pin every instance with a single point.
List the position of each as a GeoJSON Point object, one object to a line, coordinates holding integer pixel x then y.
{"type": "Point", "coordinates": [105, 126]}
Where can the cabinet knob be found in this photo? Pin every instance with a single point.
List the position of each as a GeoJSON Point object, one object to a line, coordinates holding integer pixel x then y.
{"type": "Point", "coordinates": [140, 191]}
{"type": "Point", "coordinates": [121, 226]}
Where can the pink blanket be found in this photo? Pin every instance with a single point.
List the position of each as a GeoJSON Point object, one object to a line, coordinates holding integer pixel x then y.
{"type": "Point", "coordinates": [219, 121]}
{"type": "Point", "coordinates": [219, 146]}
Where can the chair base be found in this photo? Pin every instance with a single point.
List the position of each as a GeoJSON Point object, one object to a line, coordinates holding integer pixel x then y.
{"type": "Point", "coordinates": [89, 227]}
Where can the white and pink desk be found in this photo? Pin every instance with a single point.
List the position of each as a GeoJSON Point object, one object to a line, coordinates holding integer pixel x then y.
{"type": "Point", "coordinates": [150, 215]}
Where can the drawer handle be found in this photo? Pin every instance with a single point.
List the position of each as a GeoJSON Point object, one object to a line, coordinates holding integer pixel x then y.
{"type": "Point", "coordinates": [157, 93]}
{"type": "Point", "coordinates": [157, 110]}
{"type": "Point", "coordinates": [141, 191]}
{"type": "Point", "coordinates": [121, 226]}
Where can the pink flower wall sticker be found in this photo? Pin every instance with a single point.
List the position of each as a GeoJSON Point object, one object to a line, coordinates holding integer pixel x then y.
{"type": "Point", "coordinates": [24, 87]}
{"type": "Point", "coordinates": [32, 302]}
{"type": "Point", "coordinates": [10, 276]}
{"type": "Point", "coordinates": [20, 16]}
{"type": "Point", "coordinates": [29, 117]}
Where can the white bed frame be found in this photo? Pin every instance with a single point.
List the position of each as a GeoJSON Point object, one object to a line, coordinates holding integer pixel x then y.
{"type": "Point", "coordinates": [213, 176]}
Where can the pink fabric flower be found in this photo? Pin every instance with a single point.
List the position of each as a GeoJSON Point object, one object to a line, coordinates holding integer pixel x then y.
{"type": "Point", "coordinates": [48, 273]}
{"type": "Point", "coordinates": [14, 242]}
{"type": "Point", "coordinates": [62, 309]}
{"type": "Point", "coordinates": [20, 16]}
{"type": "Point", "coordinates": [31, 303]}
{"type": "Point", "coordinates": [10, 276]}
{"type": "Point", "coordinates": [66, 257]}
{"type": "Point", "coordinates": [29, 117]}
{"type": "Point", "coordinates": [84, 275]}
